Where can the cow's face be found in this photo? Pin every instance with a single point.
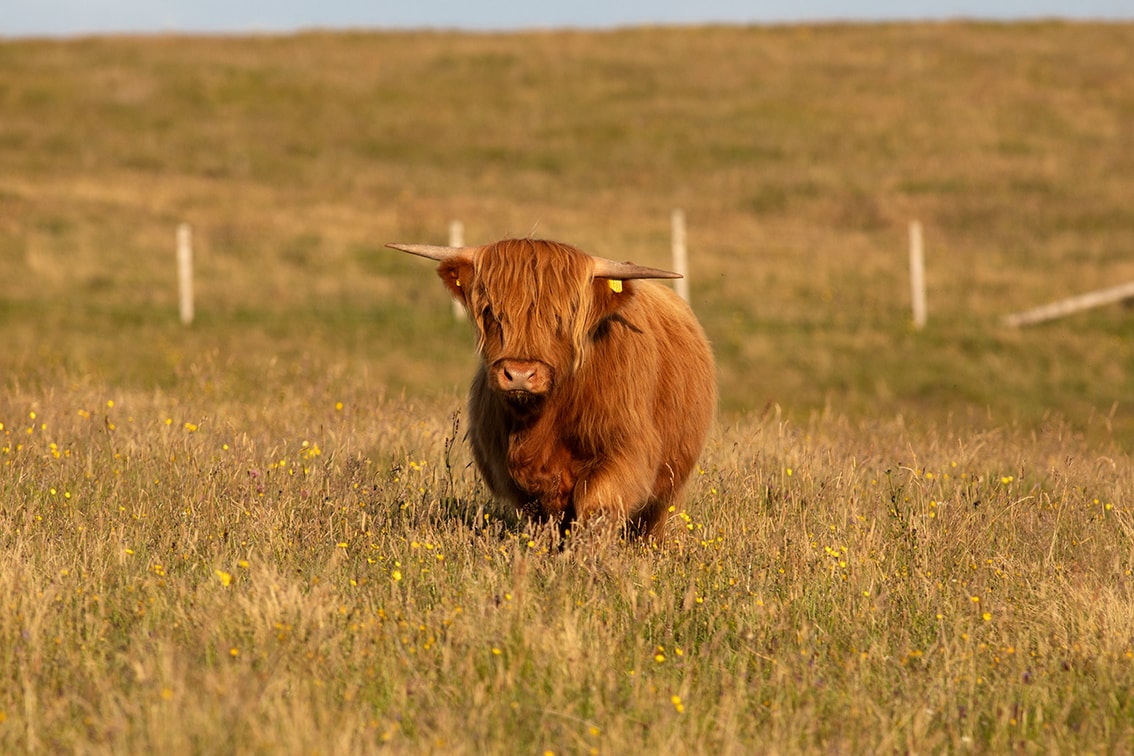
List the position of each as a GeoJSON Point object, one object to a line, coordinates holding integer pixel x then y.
{"type": "Point", "coordinates": [536, 306]}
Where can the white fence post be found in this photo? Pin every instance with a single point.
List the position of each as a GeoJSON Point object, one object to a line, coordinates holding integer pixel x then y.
{"type": "Point", "coordinates": [185, 272]}
{"type": "Point", "coordinates": [680, 255]}
{"type": "Point", "coordinates": [917, 275]}
{"type": "Point", "coordinates": [457, 239]}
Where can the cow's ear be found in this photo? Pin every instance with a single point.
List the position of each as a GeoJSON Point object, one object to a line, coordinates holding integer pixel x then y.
{"type": "Point", "coordinates": [456, 272]}
{"type": "Point", "coordinates": [610, 295]}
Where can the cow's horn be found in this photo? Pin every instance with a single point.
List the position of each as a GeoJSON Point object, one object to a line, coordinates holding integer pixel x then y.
{"type": "Point", "coordinates": [626, 270]}
{"type": "Point", "coordinates": [432, 252]}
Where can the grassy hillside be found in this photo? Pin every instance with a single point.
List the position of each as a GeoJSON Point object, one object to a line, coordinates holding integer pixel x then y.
{"type": "Point", "coordinates": [261, 533]}
{"type": "Point", "coordinates": [799, 154]}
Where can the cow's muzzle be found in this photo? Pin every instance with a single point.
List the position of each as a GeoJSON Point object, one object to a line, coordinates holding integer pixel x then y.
{"type": "Point", "coordinates": [521, 380]}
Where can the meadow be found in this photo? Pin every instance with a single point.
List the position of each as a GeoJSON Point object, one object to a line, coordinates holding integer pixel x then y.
{"type": "Point", "coordinates": [262, 533]}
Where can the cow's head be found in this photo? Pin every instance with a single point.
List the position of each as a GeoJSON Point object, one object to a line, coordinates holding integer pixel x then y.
{"type": "Point", "coordinates": [536, 305]}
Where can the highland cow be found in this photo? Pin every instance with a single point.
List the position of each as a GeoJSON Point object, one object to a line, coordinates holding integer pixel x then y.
{"type": "Point", "coordinates": [596, 388]}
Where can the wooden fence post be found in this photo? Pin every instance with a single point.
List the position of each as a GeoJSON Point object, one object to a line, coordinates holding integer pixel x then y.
{"type": "Point", "coordinates": [457, 239]}
{"type": "Point", "coordinates": [680, 254]}
{"type": "Point", "coordinates": [1063, 307]}
{"type": "Point", "coordinates": [185, 272]}
{"type": "Point", "coordinates": [917, 275]}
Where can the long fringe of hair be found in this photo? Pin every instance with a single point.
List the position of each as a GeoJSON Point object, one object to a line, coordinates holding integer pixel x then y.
{"type": "Point", "coordinates": [532, 286]}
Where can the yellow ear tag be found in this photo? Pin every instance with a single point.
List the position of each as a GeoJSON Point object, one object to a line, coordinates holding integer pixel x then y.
{"type": "Point", "coordinates": [457, 281]}
{"type": "Point", "coordinates": [615, 285]}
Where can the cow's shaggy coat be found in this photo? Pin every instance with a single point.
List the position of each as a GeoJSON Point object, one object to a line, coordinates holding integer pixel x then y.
{"type": "Point", "coordinates": [594, 395]}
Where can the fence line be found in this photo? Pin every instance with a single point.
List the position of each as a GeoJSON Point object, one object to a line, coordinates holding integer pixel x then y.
{"type": "Point", "coordinates": [1052, 311]}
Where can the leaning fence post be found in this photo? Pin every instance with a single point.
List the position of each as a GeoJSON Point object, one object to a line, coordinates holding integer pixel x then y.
{"type": "Point", "coordinates": [680, 255]}
{"type": "Point", "coordinates": [1122, 293]}
{"type": "Point", "coordinates": [185, 272]}
{"type": "Point", "coordinates": [917, 275]}
{"type": "Point", "coordinates": [457, 239]}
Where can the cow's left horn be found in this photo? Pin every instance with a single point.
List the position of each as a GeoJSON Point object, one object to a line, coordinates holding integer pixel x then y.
{"type": "Point", "coordinates": [431, 251]}
{"type": "Point", "coordinates": [626, 270]}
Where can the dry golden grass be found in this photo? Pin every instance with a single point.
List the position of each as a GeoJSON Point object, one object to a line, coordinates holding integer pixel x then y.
{"type": "Point", "coordinates": [261, 533]}
{"type": "Point", "coordinates": [321, 572]}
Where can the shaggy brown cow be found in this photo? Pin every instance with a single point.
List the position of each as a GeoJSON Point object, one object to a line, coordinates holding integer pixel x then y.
{"type": "Point", "coordinates": [594, 396]}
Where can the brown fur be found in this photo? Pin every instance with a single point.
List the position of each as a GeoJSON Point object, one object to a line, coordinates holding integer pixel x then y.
{"type": "Point", "coordinates": [622, 394]}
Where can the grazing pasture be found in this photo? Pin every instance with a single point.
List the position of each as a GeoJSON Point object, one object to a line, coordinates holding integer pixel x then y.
{"type": "Point", "coordinates": [263, 532]}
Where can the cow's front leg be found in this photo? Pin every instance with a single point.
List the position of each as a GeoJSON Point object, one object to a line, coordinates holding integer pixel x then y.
{"type": "Point", "coordinates": [548, 476]}
{"type": "Point", "coordinates": [613, 492]}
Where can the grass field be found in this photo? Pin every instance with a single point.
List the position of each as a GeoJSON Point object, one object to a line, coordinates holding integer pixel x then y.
{"type": "Point", "coordinates": [262, 534]}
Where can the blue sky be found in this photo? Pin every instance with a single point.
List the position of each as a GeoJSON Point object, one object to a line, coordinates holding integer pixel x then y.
{"type": "Point", "coordinates": [72, 17]}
